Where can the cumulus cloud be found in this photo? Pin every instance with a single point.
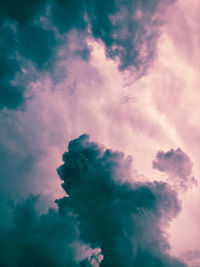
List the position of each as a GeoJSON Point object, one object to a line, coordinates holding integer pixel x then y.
{"type": "Point", "coordinates": [32, 32]}
{"type": "Point", "coordinates": [177, 165]}
{"type": "Point", "coordinates": [103, 221]}
{"type": "Point", "coordinates": [124, 219]}
{"type": "Point", "coordinates": [34, 240]}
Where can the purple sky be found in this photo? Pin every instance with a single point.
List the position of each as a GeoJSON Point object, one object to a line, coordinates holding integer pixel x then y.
{"type": "Point", "coordinates": [149, 109]}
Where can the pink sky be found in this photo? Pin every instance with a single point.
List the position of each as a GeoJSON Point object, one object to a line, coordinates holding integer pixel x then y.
{"type": "Point", "coordinates": [160, 111]}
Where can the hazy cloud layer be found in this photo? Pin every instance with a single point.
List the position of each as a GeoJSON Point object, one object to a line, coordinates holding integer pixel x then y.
{"type": "Point", "coordinates": [191, 255]}
{"type": "Point", "coordinates": [32, 32]}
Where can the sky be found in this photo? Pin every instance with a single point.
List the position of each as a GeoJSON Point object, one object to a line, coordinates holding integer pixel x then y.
{"type": "Point", "coordinates": [99, 133]}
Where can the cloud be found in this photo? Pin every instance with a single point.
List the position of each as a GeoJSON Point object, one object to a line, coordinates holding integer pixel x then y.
{"type": "Point", "coordinates": [10, 95]}
{"type": "Point", "coordinates": [34, 240]}
{"type": "Point", "coordinates": [191, 255]}
{"type": "Point", "coordinates": [128, 29]}
{"type": "Point", "coordinates": [177, 165]}
{"type": "Point", "coordinates": [31, 238]}
{"type": "Point", "coordinates": [25, 46]}
{"type": "Point", "coordinates": [26, 150]}
{"type": "Point", "coordinates": [18, 157]}
{"type": "Point", "coordinates": [32, 34]}
{"type": "Point", "coordinates": [124, 219]}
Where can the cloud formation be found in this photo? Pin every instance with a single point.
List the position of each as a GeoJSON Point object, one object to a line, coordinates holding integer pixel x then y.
{"type": "Point", "coordinates": [25, 45]}
{"type": "Point", "coordinates": [191, 255]}
{"type": "Point", "coordinates": [34, 240]}
{"type": "Point", "coordinates": [124, 219]}
{"type": "Point", "coordinates": [177, 165]}
{"type": "Point", "coordinates": [32, 32]}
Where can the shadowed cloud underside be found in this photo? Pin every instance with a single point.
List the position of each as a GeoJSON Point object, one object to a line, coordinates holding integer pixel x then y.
{"type": "Point", "coordinates": [32, 33]}
{"type": "Point", "coordinates": [125, 220]}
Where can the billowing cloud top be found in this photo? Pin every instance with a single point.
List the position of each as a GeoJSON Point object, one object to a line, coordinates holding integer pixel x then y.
{"type": "Point", "coordinates": [177, 165]}
{"type": "Point", "coordinates": [125, 220]}
{"type": "Point", "coordinates": [115, 70]}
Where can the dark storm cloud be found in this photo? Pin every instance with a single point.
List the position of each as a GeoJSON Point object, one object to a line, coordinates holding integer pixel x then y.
{"type": "Point", "coordinates": [125, 220]}
{"type": "Point", "coordinates": [128, 29]}
{"type": "Point", "coordinates": [177, 165]}
{"type": "Point", "coordinates": [31, 239]}
{"type": "Point", "coordinates": [20, 10]}
{"type": "Point", "coordinates": [10, 95]}
{"type": "Point", "coordinates": [21, 40]}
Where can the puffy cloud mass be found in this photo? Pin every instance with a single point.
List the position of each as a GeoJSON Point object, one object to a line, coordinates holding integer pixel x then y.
{"type": "Point", "coordinates": [177, 165]}
{"type": "Point", "coordinates": [34, 240]}
{"type": "Point", "coordinates": [125, 220]}
{"type": "Point", "coordinates": [32, 32]}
